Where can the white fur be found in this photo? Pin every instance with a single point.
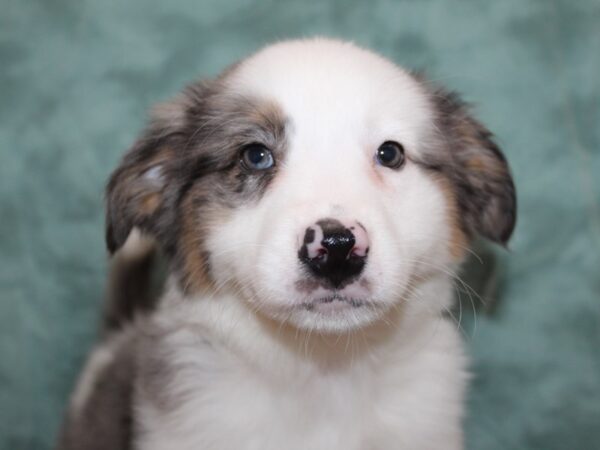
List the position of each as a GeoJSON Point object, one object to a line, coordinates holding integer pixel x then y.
{"type": "Point", "coordinates": [343, 102]}
{"type": "Point", "coordinates": [257, 385]}
{"type": "Point", "coordinates": [262, 373]}
{"type": "Point", "coordinates": [99, 359]}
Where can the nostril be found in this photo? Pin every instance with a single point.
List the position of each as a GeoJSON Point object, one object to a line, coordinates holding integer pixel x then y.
{"type": "Point", "coordinates": [358, 252]}
{"type": "Point", "coordinates": [321, 254]}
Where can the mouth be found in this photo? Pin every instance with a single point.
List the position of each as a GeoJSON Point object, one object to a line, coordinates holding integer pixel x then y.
{"type": "Point", "coordinates": [331, 312]}
{"type": "Point", "coordinates": [335, 303]}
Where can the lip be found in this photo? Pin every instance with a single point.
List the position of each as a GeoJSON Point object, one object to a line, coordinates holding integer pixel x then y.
{"type": "Point", "coordinates": [333, 304]}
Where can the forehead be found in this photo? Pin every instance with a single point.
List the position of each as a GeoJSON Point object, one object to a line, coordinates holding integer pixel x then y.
{"type": "Point", "coordinates": [323, 86]}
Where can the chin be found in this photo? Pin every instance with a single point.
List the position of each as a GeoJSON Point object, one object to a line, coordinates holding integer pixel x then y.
{"type": "Point", "coordinates": [331, 314]}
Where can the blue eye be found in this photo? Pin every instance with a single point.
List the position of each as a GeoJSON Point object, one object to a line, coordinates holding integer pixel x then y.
{"type": "Point", "coordinates": [257, 157]}
{"type": "Point", "coordinates": [390, 154]}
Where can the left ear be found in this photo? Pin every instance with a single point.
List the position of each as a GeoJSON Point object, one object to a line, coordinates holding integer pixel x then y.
{"type": "Point", "coordinates": [478, 170]}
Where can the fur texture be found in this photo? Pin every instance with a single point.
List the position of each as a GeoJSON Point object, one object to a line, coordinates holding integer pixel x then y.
{"type": "Point", "coordinates": [247, 349]}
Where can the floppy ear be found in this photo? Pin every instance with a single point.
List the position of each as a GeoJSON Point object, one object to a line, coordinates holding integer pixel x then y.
{"type": "Point", "coordinates": [142, 191]}
{"type": "Point", "coordinates": [479, 173]}
{"type": "Point", "coordinates": [135, 195]}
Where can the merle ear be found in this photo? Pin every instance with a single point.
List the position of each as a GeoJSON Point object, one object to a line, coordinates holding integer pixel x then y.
{"type": "Point", "coordinates": [478, 170]}
{"type": "Point", "coordinates": [135, 194]}
{"type": "Point", "coordinates": [141, 191]}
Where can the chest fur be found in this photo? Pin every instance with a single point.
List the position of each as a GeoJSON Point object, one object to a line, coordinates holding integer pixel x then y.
{"type": "Point", "coordinates": [194, 393]}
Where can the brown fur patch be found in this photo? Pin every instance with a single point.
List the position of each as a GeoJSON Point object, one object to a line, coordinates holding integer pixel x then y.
{"type": "Point", "coordinates": [150, 204]}
{"type": "Point", "coordinates": [477, 164]}
{"type": "Point", "coordinates": [458, 240]}
{"type": "Point", "coordinates": [194, 266]}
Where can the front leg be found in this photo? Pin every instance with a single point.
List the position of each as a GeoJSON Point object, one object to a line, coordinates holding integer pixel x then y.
{"type": "Point", "coordinates": [100, 414]}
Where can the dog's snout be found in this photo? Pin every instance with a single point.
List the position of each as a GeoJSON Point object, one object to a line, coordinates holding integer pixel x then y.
{"type": "Point", "coordinates": [335, 251]}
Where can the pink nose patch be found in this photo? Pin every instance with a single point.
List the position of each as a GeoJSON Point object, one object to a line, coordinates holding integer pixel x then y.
{"type": "Point", "coordinates": [314, 248]}
{"type": "Point", "coordinates": [361, 244]}
{"type": "Point", "coordinates": [316, 234]}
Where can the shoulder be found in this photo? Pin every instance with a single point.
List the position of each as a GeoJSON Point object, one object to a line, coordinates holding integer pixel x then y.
{"type": "Point", "coordinates": [99, 414]}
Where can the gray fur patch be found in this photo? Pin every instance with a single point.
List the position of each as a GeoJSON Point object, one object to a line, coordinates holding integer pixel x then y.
{"type": "Point", "coordinates": [105, 421]}
{"type": "Point", "coordinates": [159, 373]}
{"type": "Point", "coordinates": [187, 165]}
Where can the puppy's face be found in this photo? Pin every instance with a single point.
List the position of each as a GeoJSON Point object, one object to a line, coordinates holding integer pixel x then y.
{"type": "Point", "coordinates": [318, 180]}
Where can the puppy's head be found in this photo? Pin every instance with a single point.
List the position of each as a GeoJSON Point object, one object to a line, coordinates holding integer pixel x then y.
{"type": "Point", "coordinates": [317, 180]}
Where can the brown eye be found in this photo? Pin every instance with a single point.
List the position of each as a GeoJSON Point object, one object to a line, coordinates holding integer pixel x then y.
{"type": "Point", "coordinates": [257, 157]}
{"type": "Point", "coordinates": [390, 154]}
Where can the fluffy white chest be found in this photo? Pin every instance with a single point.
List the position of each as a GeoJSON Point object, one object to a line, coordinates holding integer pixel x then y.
{"type": "Point", "coordinates": [212, 393]}
{"type": "Point", "coordinates": [242, 411]}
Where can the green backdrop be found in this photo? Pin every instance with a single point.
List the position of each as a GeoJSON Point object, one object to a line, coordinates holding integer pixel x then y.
{"type": "Point", "coordinates": [76, 79]}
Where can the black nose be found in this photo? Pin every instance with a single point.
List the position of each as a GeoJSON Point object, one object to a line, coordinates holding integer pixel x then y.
{"type": "Point", "coordinates": [333, 251]}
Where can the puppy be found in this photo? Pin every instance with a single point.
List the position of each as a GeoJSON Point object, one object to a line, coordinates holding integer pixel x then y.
{"type": "Point", "coordinates": [313, 202]}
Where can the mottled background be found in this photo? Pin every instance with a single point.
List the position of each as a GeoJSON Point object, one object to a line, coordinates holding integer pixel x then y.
{"type": "Point", "coordinates": [76, 78]}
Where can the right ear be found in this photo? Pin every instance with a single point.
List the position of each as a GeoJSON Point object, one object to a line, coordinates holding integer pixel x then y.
{"type": "Point", "coordinates": [135, 194]}
{"type": "Point", "coordinates": [141, 191]}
